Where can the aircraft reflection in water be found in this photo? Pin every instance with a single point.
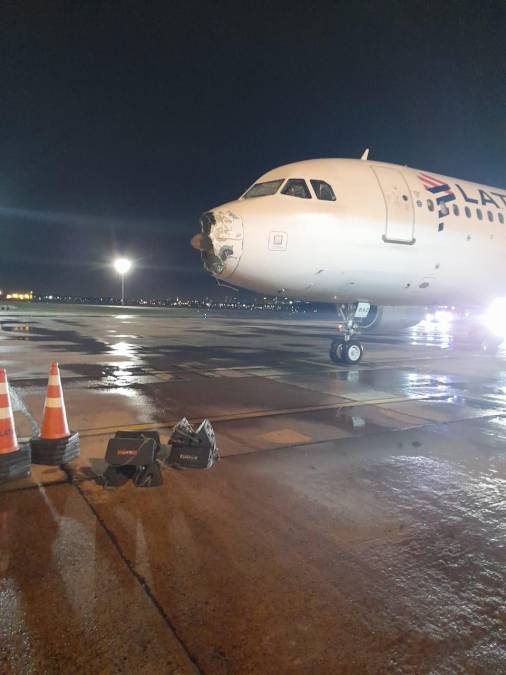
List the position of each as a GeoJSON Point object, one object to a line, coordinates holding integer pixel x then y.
{"type": "Point", "coordinates": [381, 241]}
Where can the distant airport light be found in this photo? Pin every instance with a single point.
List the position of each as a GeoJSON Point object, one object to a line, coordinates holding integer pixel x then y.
{"type": "Point", "coordinates": [122, 267]}
{"type": "Point", "coordinates": [438, 322]}
{"type": "Point", "coordinates": [19, 296]}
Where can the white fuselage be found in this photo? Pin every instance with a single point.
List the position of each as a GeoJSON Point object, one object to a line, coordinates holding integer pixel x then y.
{"type": "Point", "coordinates": [393, 236]}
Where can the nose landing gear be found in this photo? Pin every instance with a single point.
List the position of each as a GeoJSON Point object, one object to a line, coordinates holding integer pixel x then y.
{"type": "Point", "coordinates": [346, 351]}
{"type": "Point", "coordinates": [346, 348]}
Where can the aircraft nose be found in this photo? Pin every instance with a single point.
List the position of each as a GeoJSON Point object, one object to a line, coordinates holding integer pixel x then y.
{"type": "Point", "coordinates": [220, 241]}
{"type": "Point", "coordinates": [201, 242]}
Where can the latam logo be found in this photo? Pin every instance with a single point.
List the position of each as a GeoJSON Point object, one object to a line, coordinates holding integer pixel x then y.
{"type": "Point", "coordinates": [442, 192]}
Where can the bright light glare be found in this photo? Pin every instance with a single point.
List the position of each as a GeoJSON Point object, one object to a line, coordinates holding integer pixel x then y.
{"type": "Point", "coordinates": [495, 317]}
{"type": "Point", "coordinates": [439, 320]}
{"type": "Point", "coordinates": [443, 317]}
{"type": "Point", "coordinates": [122, 265]}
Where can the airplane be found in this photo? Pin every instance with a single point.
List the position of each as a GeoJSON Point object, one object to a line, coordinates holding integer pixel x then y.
{"type": "Point", "coordinates": [381, 241]}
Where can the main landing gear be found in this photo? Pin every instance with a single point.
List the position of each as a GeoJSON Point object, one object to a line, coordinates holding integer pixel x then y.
{"type": "Point", "coordinates": [346, 348]}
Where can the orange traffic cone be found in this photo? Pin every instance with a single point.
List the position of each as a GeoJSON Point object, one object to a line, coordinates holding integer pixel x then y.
{"type": "Point", "coordinates": [56, 444]}
{"type": "Point", "coordinates": [54, 423]}
{"type": "Point", "coordinates": [8, 438]}
{"type": "Point", "coordinates": [14, 460]}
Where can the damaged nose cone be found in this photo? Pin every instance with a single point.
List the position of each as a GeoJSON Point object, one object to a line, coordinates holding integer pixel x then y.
{"type": "Point", "coordinates": [212, 263]}
{"type": "Point", "coordinates": [201, 242]}
{"type": "Point", "coordinates": [220, 242]}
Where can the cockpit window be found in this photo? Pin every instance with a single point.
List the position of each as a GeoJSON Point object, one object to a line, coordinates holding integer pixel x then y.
{"type": "Point", "coordinates": [270, 187]}
{"type": "Point", "coordinates": [296, 187]}
{"type": "Point", "coordinates": [323, 190]}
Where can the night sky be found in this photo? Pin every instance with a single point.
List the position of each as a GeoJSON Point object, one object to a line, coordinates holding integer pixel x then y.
{"type": "Point", "coordinates": [120, 122]}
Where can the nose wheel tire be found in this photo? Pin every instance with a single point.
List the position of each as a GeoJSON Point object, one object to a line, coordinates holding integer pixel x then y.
{"type": "Point", "coordinates": [336, 351]}
{"type": "Point", "coordinates": [352, 351]}
{"type": "Point", "coordinates": [349, 351]}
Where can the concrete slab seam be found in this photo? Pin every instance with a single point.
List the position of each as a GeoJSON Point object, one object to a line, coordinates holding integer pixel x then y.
{"type": "Point", "coordinates": [104, 431]}
{"type": "Point", "coordinates": [140, 580]}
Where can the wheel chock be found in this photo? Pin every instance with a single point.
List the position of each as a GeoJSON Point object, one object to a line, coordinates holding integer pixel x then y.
{"type": "Point", "coordinates": [133, 455]}
{"type": "Point", "coordinates": [193, 449]}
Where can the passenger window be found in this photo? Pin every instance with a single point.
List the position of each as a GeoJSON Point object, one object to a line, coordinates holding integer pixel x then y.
{"type": "Point", "coordinates": [479, 213]}
{"type": "Point", "coordinates": [490, 216]}
{"type": "Point", "coordinates": [418, 203]}
{"type": "Point", "coordinates": [501, 218]}
{"type": "Point", "coordinates": [468, 212]}
{"type": "Point", "coordinates": [430, 204]}
{"type": "Point", "coordinates": [444, 210]}
{"type": "Point", "coordinates": [296, 187]}
{"type": "Point", "coordinates": [323, 190]}
{"type": "Point", "coordinates": [455, 210]}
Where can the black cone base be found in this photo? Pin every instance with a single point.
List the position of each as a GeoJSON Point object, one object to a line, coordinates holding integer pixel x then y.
{"type": "Point", "coordinates": [15, 464]}
{"type": "Point", "coordinates": [59, 451]}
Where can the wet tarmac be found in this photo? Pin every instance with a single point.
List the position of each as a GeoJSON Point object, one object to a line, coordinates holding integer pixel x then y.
{"type": "Point", "coordinates": [355, 523]}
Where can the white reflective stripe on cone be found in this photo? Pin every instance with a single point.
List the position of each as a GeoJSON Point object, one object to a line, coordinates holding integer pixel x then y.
{"type": "Point", "coordinates": [3, 388]}
{"type": "Point", "coordinates": [53, 403]}
{"type": "Point", "coordinates": [5, 413]}
{"type": "Point", "coordinates": [53, 379]}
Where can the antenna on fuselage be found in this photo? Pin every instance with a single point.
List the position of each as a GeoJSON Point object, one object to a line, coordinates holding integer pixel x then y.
{"type": "Point", "coordinates": [365, 154]}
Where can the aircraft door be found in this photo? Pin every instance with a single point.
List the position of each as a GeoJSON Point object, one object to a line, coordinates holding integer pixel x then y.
{"type": "Point", "coordinates": [400, 214]}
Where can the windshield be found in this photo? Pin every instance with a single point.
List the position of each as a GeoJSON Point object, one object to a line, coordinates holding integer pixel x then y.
{"type": "Point", "coordinates": [296, 187]}
{"type": "Point", "coordinates": [263, 189]}
{"type": "Point", "coordinates": [323, 190]}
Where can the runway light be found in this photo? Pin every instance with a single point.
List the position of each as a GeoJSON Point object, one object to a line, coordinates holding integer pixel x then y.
{"type": "Point", "coordinates": [494, 318]}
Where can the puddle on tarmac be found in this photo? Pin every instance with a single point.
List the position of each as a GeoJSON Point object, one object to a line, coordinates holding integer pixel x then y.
{"type": "Point", "coordinates": [73, 341]}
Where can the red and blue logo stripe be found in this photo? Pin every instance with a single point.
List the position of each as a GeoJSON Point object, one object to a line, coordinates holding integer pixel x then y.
{"type": "Point", "coordinates": [442, 192]}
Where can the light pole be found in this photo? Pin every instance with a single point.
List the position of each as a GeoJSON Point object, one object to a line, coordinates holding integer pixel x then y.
{"type": "Point", "coordinates": [122, 266]}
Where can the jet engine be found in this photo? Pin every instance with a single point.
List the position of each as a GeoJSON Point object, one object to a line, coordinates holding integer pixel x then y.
{"type": "Point", "coordinates": [390, 319]}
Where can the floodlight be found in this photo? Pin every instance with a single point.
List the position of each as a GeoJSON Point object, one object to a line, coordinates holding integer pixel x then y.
{"type": "Point", "coordinates": [122, 266]}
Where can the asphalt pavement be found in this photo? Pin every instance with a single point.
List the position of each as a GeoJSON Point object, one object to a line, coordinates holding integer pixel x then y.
{"type": "Point", "coordinates": [355, 522]}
